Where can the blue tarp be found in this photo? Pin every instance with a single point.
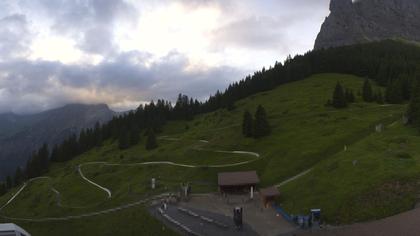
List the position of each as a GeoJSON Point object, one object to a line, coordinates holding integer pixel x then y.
{"type": "Point", "coordinates": [282, 212]}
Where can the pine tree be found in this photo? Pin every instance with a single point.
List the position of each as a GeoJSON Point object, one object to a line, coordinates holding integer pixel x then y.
{"type": "Point", "coordinates": [44, 159]}
{"type": "Point", "coordinates": [3, 189]}
{"type": "Point", "coordinates": [261, 125]}
{"type": "Point", "coordinates": [339, 98]}
{"type": "Point", "coordinates": [9, 183]}
{"type": "Point", "coordinates": [151, 142]}
{"type": "Point", "coordinates": [367, 92]}
{"type": "Point", "coordinates": [394, 92]}
{"type": "Point", "coordinates": [18, 176]}
{"type": "Point", "coordinates": [349, 96]}
{"type": "Point", "coordinates": [55, 156]}
{"type": "Point", "coordinates": [134, 136]}
{"type": "Point", "coordinates": [97, 134]}
{"type": "Point", "coordinates": [379, 98]}
{"type": "Point", "coordinates": [123, 140]}
{"type": "Point", "coordinates": [413, 110]}
{"type": "Point", "coordinates": [247, 124]}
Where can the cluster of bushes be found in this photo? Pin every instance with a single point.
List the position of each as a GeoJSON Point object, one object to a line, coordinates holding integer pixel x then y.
{"type": "Point", "coordinates": [341, 97]}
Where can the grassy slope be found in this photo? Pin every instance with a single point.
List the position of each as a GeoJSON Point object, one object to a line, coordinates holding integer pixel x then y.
{"type": "Point", "coordinates": [376, 177]}
{"type": "Point", "coordinates": [304, 133]}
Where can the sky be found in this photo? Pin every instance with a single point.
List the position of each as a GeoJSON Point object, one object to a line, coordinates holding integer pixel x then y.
{"type": "Point", "coordinates": [127, 52]}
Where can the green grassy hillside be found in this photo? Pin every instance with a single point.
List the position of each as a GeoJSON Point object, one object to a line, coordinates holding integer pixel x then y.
{"type": "Point", "coordinates": [376, 177]}
{"type": "Point", "coordinates": [305, 134]}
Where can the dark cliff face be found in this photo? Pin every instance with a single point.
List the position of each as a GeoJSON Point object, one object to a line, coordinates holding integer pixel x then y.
{"type": "Point", "coordinates": [27, 133]}
{"type": "Point", "coordinates": [352, 22]}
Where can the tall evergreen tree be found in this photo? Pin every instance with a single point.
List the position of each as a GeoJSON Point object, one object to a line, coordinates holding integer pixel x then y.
{"type": "Point", "coordinates": [413, 111]}
{"type": "Point", "coordinates": [349, 96]}
{"type": "Point", "coordinates": [3, 189]}
{"type": "Point", "coordinates": [394, 92]}
{"type": "Point", "coordinates": [134, 136]}
{"type": "Point", "coordinates": [247, 124]}
{"type": "Point", "coordinates": [9, 183]}
{"type": "Point", "coordinates": [367, 92]}
{"type": "Point", "coordinates": [151, 142]}
{"type": "Point", "coordinates": [18, 176]}
{"type": "Point", "coordinates": [44, 159]}
{"type": "Point", "coordinates": [379, 97]}
{"type": "Point", "coordinates": [124, 140]}
{"type": "Point", "coordinates": [261, 125]}
{"type": "Point", "coordinates": [55, 155]}
{"type": "Point", "coordinates": [339, 98]}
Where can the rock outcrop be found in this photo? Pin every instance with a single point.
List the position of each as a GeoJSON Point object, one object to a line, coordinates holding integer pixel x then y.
{"type": "Point", "coordinates": [360, 21]}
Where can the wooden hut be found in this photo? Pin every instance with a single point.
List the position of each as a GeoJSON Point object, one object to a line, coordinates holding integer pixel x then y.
{"type": "Point", "coordinates": [238, 182]}
{"type": "Point", "coordinates": [268, 195]}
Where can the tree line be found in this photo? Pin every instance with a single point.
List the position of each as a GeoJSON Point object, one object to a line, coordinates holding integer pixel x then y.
{"type": "Point", "coordinates": [126, 130]}
{"type": "Point", "coordinates": [389, 63]}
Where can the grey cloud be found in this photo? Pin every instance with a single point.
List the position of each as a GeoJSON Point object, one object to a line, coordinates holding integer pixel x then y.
{"type": "Point", "coordinates": [97, 40]}
{"type": "Point", "coordinates": [89, 22]}
{"type": "Point", "coordinates": [37, 85]}
{"type": "Point", "coordinates": [15, 36]}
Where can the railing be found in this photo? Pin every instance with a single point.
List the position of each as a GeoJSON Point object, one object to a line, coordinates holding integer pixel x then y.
{"type": "Point", "coordinates": [283, 213]}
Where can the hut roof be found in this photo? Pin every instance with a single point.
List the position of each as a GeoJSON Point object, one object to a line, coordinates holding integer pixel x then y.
{"type": "Point", "coordinates": [238, 178]}
{"type": "Point", "coordinates": [270, 192]}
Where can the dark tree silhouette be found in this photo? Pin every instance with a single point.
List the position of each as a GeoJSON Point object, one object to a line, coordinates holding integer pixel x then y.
{"type": "Point", "coordinates": [3, 188]}
{"type": "Point", "coordinates": [247, 124]}
{"type": "Point", "coordinates": [394, 92]}
{"type": "Point", "coordinates": [339, 98]}
{"type": "Point", "coordinates": [413, 111]}
{"type": "Point", "coordinates": [151, 142]}
{"type": "Point", "coordinates": [19, 177]}
{"type": "Point", "coordinates": [124, 140]}
{"type": "Point", "coordinates": [9, 183]}
{"type": "Point", "coordinates": [261, 125]}
{"type": "Point", "coordinates": [367, 93]}
{"type": "Point", "coordinates": [379, 98]}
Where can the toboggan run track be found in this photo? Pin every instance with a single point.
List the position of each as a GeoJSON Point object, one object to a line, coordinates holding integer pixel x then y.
{"type": "Point", "coordinates": [109, 193]}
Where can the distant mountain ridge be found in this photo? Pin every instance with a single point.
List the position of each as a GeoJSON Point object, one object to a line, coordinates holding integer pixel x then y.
{"type": "Point", "coordinates": [352, 22]}
{"type": "Point", "coordinates": [20, 135]}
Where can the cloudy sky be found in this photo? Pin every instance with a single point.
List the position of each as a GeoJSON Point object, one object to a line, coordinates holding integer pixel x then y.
{"type": "Point", "coordinates": [126, 52]}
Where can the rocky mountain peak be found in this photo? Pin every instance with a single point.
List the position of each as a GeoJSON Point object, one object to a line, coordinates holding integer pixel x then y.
{"type": "Point", "coordinates": [340, 5]}
{"type": "Point", "coordinates": [360, 21]}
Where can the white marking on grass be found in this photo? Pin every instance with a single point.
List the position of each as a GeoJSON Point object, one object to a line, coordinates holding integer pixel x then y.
{"type": "Point", "coordinates": [14, 196]}
{"type": "Point", "coordinates": [79, 169]}
{"type": "Point", "coordinates": [20, 190]}
{"type": "Point", "coordinates": [294, 178]}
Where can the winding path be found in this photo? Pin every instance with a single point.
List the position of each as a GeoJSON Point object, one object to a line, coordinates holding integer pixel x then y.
{"type": "Point", "coordinates": [169, 163]}
{"type": "Point", "coordinates": [108, 191]}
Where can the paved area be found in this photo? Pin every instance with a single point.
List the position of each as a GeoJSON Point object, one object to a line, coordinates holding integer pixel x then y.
{"type": "Point", "coordinates": [404, 224]}
{"type": "Point", "coordinates": [264, 221]}
{"type": "Point", "coordinates": [198, 226]}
